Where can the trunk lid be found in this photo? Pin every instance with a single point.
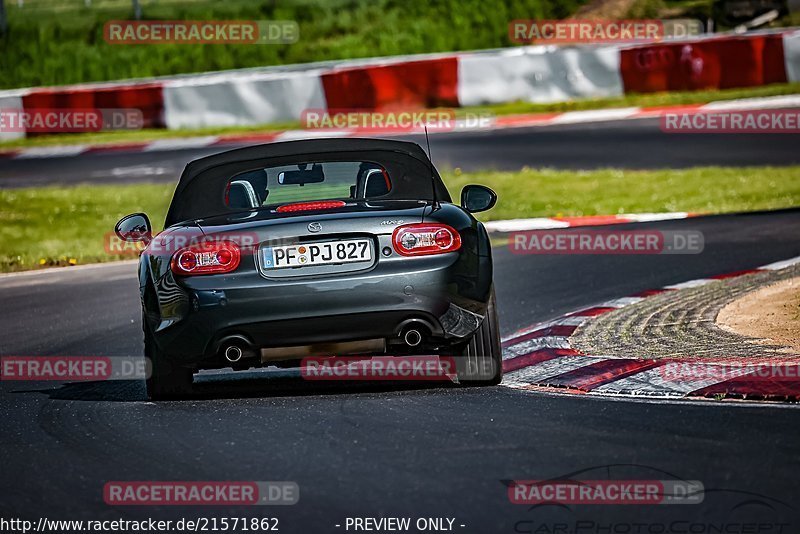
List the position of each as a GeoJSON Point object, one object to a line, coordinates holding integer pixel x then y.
{"type": "Point", "coordinates": [361, 217]}
{"type": "Point", "coordinates": [266, 231]}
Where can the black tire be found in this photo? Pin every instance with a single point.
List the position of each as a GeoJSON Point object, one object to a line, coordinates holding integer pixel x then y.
{"type": "Point", "coordinates": [166, 381]}
{"type": "Point", "coordinates": [482, 358]}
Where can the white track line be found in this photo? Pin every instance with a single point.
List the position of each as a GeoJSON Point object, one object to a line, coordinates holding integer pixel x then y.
{"type": "Point", "coordinates": [52, 151]}
{"type": "Point", "coordinates": [651, 217]}
{"type": "Point", "coordinates": [781, 264]}
{"type": "Point", "coordinates": [769, 102]}
{"type": "Point", "coordinates": [547, 223]}
{"type": "Point", "coordinates": [690, 283]}
{"type": "Point", "coordinates": [179, 143]}
{"type": "Point", "coordinates": [595, 115]}
{"type": "Point", "coordinates": [518, 225]}
{"type": "Point", "coordinates": [64, 270]}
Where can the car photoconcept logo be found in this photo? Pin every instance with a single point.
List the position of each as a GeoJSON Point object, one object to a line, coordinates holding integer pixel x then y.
{"type": "Point", "coordinates": [314, 227]}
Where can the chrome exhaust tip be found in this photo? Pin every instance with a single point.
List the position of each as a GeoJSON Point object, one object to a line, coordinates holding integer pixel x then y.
{"type": "Point", "coordinates": [233, 353]}
{"type": "Point", "coordinates": [412, 337]}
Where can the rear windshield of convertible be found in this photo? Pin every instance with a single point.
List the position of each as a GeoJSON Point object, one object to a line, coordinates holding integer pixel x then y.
{"type": "Point", "coordinates": [266, 176]}
{"type": "Point", "coordinates": [307, 181]}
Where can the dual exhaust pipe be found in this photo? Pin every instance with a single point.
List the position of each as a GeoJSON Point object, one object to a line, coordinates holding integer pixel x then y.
{"type": "Point", "coordinates": [233, 353]}
{"type": "Point", "coordinates": [414, 332]}
{"type": "Point", "coordinates": [234, 348]}
{"type": "Point", "coordinates": [412, 337]}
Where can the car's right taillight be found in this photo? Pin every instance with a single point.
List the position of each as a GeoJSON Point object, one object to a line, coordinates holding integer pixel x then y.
{"type": "Point", "coordinates": [206, 258]}
{"type": "Point", "coordinates": [424, 239]}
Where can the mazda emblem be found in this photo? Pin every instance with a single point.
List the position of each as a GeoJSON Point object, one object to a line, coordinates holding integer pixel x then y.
{"type": "Point", "coordinates": [314, 227]}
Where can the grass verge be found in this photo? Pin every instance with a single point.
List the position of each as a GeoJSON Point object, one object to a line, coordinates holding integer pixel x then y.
{"type": "Point", "coordinates": [45, 45]}
{"type": "Point", "coordinates": [513, 108]}
{"type": "Point", "coordinates": [547, 193]}
{"type": "Point", "coordinates": [48, 226]}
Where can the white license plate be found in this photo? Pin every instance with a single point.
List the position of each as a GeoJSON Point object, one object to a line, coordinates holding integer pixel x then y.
{"type": "Point", "coordinates": [323, 253]}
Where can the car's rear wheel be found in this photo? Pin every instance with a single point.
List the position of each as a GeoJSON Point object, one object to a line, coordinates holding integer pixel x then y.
{"type": "Point", "coordinates": [166, 380]}
{"type": "Point", "coordinates": [482, 358]}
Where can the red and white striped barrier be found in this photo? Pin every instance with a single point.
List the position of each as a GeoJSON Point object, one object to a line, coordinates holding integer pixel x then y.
{"type": "Point", "coordinates": [541, 356]}
{"type": "Point", "coordinates": [542, 73]}
{"type": "Point", "coordinates": [539, 74]}
{"type": "Point", "coordinates": [508, 121]}
{"type": "Point", "coordinates": [11, 100]}
{"type": "Point", "coordinates": [236, 99]}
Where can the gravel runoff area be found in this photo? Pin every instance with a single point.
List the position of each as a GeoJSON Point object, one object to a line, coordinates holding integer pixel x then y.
{"type": "Point", "coordinates": [770, 313]}
{"type": "Point", "coordinates": [683, 324]}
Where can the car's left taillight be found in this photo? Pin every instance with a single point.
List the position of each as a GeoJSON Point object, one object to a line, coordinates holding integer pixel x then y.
{"type": "Point", "coordinates": [424, 239]}
{"type": "Point", "coordinates": [206, 258]}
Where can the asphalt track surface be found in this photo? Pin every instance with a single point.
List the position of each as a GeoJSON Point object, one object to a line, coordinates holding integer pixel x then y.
{"type": "Point", "coordinates": [632, 144]}
{"type": "Point", "coordinates": [372, 451]}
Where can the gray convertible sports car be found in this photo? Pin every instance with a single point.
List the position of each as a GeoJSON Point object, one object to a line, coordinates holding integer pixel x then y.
{"type": "Point", "coordinates": [276, 252]}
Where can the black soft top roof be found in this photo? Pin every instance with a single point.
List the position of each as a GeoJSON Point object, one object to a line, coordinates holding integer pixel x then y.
{"type": "Point", "coordinates": [299, 148]}
{"type": "Point", "coordinates": [406, 162]}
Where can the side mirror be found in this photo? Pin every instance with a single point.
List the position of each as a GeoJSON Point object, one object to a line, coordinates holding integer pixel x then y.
{"type": "Point", "coordinates": [133, 228]}
{"type": "Point", "coordinates": [475, 198]}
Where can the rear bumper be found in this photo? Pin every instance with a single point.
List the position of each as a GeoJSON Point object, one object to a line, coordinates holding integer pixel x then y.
{"type": "Point", "coordinates": [448, 292]}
